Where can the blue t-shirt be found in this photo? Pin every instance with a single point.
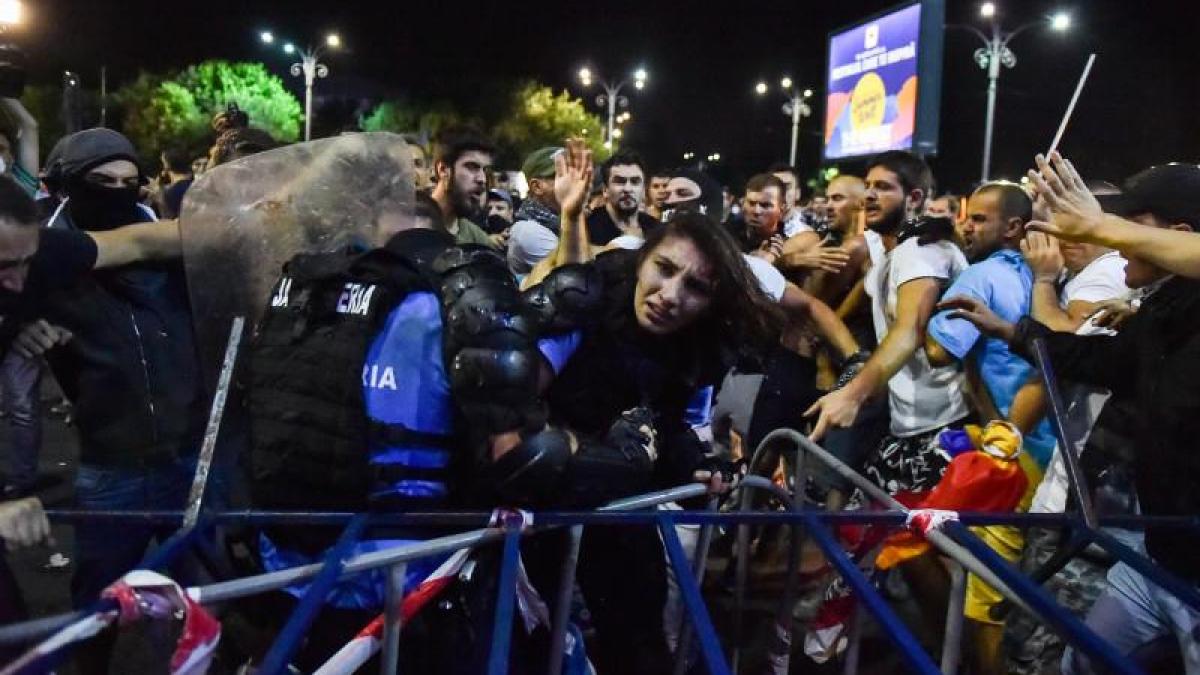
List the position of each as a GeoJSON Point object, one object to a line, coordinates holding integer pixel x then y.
{"type": "Point", "coordinates": [1004, 282]}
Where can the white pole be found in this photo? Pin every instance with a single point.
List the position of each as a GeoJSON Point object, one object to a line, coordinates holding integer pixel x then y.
{"type": "Point", "coordinates": [1087, 69]}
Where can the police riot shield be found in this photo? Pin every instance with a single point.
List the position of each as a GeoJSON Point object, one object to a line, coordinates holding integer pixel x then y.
{"type": "Point", "coordinates": [241, 221]}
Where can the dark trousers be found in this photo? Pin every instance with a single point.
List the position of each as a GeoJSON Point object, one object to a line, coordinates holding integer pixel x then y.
{"type": "Point", "coordinates": [20, 396]}
{"type": "Point", "coordinates": [622, 573]}
{"type": "Point", "coordinates": [788, 389]}
{"type": "Point", "coordinates": [104, 552]}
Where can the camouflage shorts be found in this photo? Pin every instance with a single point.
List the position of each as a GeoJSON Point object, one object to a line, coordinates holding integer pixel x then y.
{"type": "Point", "coordinates": [1033, 648]}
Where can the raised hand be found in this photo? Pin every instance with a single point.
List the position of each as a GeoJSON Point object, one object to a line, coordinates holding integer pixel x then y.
{"type": "Point", "coordinates": [572, 178]}
{"type": "Point", "coordinates": [1074, 211]}
{"type": "Point", "coordinates": [972, 309]}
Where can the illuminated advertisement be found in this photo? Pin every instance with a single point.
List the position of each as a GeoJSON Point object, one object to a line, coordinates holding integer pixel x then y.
{"type": "Point", "coordinates": [877, 80]}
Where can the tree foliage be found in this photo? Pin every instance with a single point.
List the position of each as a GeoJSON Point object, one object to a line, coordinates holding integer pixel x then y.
{"type": "Point", "coordinates": [531, 116]}
{"type": "Point", "coordinates": [159, 111]}
{"type": "Point", "coordinates": [422, 120]}
{"type": "Point", "coordinates": [538, 117]}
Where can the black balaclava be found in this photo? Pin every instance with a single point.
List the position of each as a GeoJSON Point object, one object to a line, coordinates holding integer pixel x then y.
{"type": "Point", "coordinates": [710, 202]}
{"type": "Point", "coordinates": [94, 207]}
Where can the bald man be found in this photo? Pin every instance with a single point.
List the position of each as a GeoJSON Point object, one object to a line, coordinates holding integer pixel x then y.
{"type": "Point", "coordinates": [843, 210]}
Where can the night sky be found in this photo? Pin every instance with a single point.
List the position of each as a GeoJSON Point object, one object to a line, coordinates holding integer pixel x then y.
{"type": "Point", "coordinates": [703, 58]}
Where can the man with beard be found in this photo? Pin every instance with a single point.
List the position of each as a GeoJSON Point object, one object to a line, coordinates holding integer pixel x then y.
{"type": "Point", "coordinates": [906, 279]}
{"type": "Point", "coordinates": [624, 180]}
{"type": "Point", "coordinates": [462, 161]}
{"type": "Point", "coordinates": [1152, 360]}
{"type": "Point", "coordinates": [1000, 278]}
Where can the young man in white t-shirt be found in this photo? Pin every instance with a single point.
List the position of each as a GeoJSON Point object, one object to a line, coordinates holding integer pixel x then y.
{"type": "Point", "coordinates": [906, 279]}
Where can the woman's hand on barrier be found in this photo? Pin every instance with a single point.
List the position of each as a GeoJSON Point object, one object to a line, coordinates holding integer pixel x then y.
{"type": "Point", "coordinates": [719, 474]}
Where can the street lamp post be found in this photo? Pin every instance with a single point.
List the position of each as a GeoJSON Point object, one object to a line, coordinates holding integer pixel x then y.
{"type": "Point", "coordinates": [309, 67]}
{"type": "Point", "coordinates": [991, 56]}
{"type": "Point", "coordinates": [612, 98]}
{"type": "Point", "coordinates": [796, 107]}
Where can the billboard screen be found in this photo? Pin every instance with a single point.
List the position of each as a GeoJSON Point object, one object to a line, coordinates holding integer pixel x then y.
{"type": "Point", "coordinates": [882, 83]}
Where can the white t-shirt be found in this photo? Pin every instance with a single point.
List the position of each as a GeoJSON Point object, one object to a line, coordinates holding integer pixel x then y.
{"type": "Point", "coordinates": [528, 243]}
{"type": "Point", "coordinates": [922, 398]}
{"type": "Point", "coordinates": [795, 224]}
{"type": "Point", "coordinates": [1102, 279]}
{"type": "Point", "coordinates": [770, 280]}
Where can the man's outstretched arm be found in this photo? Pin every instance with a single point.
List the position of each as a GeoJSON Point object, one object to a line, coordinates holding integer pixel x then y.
{"type": "Point", "coordinates": [158, 240]}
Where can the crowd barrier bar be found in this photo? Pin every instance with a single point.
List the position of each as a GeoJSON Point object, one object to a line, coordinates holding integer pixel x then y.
{"type": "Point", "coordinates": [963, 547]}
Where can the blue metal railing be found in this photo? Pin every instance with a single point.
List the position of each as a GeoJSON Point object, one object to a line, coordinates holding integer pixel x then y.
{"type": "Point", "coordinates": [816, 523]}
{"type": "Point", "coordinates": [957, 543]}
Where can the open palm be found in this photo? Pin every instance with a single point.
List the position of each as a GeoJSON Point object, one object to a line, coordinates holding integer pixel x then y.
{"type": "Point", "coordinates": [572, 178]}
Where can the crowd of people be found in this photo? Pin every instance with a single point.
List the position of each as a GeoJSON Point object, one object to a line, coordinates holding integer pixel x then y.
{"type": "Point", "coordinates": [603, 330]}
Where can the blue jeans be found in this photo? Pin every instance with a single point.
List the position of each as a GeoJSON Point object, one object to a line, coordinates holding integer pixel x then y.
{"type": "Point", "coordinates": [20, 397]}
{"type": "Point", "coordinates": [106, 551]}
{"type": "Point", "coordinates": [1132, 615]}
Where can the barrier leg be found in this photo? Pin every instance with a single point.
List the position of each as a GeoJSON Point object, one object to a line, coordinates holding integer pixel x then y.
{"type": "Point", "coordinates": [390, 663]}
{"type": "Point", "coordinates": [854, 648]}
{"type": "Point", "coordinates": [780, 652]}
{"type": "Point", "coordinates": [952, 642]}
{"type": "Point", "coordinates": [562, 610]}
{"type": "Point", "coordinates": [684, 648]}
{"type": "Point", "coordinates": [288, 640]}
{"type": "Point", "coordinates": [918, 661]}
{"type": "Point", "coordinates": [710, 646]}
{"type": "Point", "coordinates": [741, 571]}
{"type": "Point", "coordinates": [1063, 622]}
{"type": "Point", "coordinates": [505, 600]}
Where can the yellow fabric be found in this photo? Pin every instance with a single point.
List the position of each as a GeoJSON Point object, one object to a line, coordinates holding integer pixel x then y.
{"type": "Point", "coordinates": [1005, 540]}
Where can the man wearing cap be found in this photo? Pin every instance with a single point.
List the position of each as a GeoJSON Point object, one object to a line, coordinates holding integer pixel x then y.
{"type": "Point", "coordinates": [499, 209]}
{"type": "Point", "coordinates": [1154, 360]}
{"type": "Point", "coordinates": [534, 235]}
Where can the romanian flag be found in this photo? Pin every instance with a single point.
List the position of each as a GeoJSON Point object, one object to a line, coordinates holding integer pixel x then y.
{"type": "Point", "coordinates": [988, 478]}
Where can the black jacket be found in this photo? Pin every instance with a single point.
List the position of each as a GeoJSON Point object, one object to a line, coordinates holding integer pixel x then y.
{"type": "Point", "coordinates": [618, 366]}
{"type": "Point", "coordinates": [1154, 360]}
{"type": "Point", "coordinates": [131, 368]}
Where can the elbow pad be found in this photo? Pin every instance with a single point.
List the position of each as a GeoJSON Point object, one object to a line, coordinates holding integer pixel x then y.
{"type": "Point", "coordinates": [570, 297]}
{"type": "Point", "coordinates": [489, 342]}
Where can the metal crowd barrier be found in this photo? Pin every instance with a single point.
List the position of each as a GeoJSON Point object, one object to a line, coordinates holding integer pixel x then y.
{"type": "Point", "coordinates": [956, 542]}
{"type": "Point", "coordinates": [966, 551]}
